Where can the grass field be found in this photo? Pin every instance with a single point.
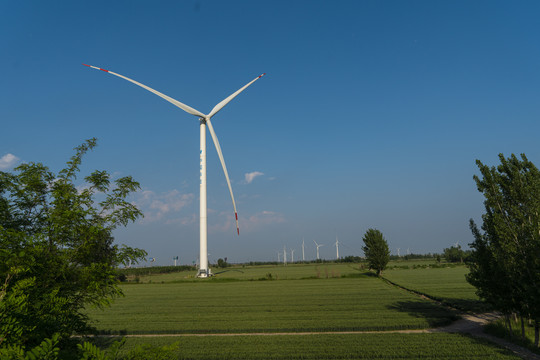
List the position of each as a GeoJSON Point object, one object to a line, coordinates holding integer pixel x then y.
{"type": "Point", "coordinates": [299, 298]}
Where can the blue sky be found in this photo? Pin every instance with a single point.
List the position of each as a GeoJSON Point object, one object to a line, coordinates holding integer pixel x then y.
{"type": "Point", "coordinates": [371, 115]}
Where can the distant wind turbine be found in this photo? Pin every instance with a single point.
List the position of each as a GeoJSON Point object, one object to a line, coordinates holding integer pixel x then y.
{"type": "Point", "coordinates": [284, 256]}
{"type": "Point", "coordinates": [292, 256]}
{"type": "Point", "coordinates": [204, 120]}
{"type": "Point", "coordinates": [303, 255]}
{"type": "Point", "coordinates": [337, 248]}
{"type": "Point", "coordinates": [318, 246]}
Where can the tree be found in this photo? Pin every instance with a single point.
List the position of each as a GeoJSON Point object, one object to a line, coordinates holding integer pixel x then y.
{"type": "Point", "coordinates": [376, 250]}
{"type": "Point", "coordinates": [57, 252]}
{"type": "Point", "coordinates": [456, 254]}
{"type": "Point", "coordinates": [505, 262]}
{"type": "Point", "coordinates": [222, 263]}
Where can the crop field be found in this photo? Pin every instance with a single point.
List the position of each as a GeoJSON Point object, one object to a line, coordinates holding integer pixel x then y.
{"type": "Point", "coordinates": [355, 346]}
{"type": "Point", "coordinates": [447, 284]}
{"type": "Point", "coordinates": [297, 298]}
{"type": "Point", "coordinates": [274, 272]}
{"type": "Point", "coordinates": [365, 303]}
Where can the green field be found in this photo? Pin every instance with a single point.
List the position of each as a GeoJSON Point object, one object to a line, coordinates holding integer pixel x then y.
{"type": "Point", "coordinates": [365, 303]}
{"type": "Point", "coordinates": [277, 272]}
{"type": "Point", "coordinates": [305, 298]}
{"type": "Point", "coordinates": [445, 284]}
{"type": "Point", "coordinates": [356, 346]}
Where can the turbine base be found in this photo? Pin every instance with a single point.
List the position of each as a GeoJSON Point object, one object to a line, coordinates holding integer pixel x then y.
{"type": "Point", "coordinates": [204, 273]}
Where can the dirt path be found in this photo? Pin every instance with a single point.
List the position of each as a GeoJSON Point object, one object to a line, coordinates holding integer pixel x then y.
{"type": "Point", "coordinates": [473, 324]}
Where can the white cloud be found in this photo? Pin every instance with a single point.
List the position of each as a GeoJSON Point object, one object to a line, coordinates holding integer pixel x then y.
{"type": "Point", "coordinates": [163, 206]}
{"type": "Point", "coordinates": [252, 175]}
{"type": "Point", "coordinates": [8, 161]}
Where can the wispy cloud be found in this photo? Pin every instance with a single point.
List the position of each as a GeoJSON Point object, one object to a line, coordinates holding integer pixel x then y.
{"type": "Point", "coordinates": [8, 161]}
{"type": "Point", "coordinates": [252, 175]}
{"type": "Point", "coordinates": [160, 207]}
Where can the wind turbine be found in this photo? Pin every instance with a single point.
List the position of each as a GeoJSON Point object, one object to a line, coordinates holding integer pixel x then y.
{"type": "Point", "coordinates": [204, 120]}
{"type": "Point", "coordinates": [284, 256]}
{"type": "Point", "coordinates": [398, 252]}
{"type": "Point", "coordinates": [318, 246]}
{"type": "Point", "coordinates": [303, 256]}
{"type": "Point", "coordinates": [278, 256]}
{"type": "Point", "coordinates": [292, 256]}
{"type": "Point", "coordinates": [337, 248]}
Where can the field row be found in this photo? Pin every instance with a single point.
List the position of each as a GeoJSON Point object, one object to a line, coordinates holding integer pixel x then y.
{"type": "Point", "coordinates": [361, 346]}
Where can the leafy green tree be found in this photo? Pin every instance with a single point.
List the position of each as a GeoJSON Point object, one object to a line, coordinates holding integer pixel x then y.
{"type": "Point", "coordinates": [376, 250]}
{"type": "Point", "coordinates": [222, 263]}
{"type": "Point", "coordinates": [505, 263]}
{"type": "Point", "coordinates": [57, 254]}
{"type": "Point", "coordinates": [456, 254]}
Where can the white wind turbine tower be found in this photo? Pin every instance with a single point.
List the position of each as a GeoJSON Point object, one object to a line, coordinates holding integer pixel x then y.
{"type": "Point", "coordinates": [303, 255]}
{"type": "Point", "coordinates": [292, 256]}
{"type": "Point", "coordinates": [337, 248]}
{"type": "Point", "coordinates": [318, 246]}
{"type": "Point", "coordinates": [284, 256]}
{"type": "Point", "coordinates": [204, 120]}
{"type": "Point", "coordinates": [398, 252]}
{"type": "Point", "coordinates": [279, 256]}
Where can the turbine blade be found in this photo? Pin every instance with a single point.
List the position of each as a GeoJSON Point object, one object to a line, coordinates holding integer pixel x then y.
{"type": "Point", "coordinates": [177, 103]}
{"type": "Point", "coordinates": [220, 106]}
{"type": "Point", "coordinates": [220, 154]}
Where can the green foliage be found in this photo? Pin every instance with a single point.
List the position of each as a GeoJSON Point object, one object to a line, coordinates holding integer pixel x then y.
{"type": "Point", "coordinates": [376, 250]}
{"type": "Point", "coordinates": [456, 254]}
{"type": "Point", "coordinates": [89, 351]}
{"type": "Point", "coordinates": [505, 263]}
{"type": "Point", "coordinates": [222, 263]}
{"type": "Point", "coordinates": [47, 350]}
{"type": "Point", "coordinates": [57, 255]}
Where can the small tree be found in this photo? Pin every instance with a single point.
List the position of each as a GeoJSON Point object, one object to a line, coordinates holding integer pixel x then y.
{"type": "Point", "coordinates": [57, 254]}
{"type": "Point", "coordinates": [376, 250]}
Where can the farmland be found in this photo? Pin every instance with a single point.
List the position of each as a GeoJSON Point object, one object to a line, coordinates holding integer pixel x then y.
{"type": "Point", "coordinates": [304, 298]}
{"type": "Point", "coordinates": [354, 346]}
{"type": "Point", "coordinates": [445, 284]}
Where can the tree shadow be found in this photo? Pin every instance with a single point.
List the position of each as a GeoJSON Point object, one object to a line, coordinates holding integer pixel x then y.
{"type": "Point", "coordinates": [435, 315]}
